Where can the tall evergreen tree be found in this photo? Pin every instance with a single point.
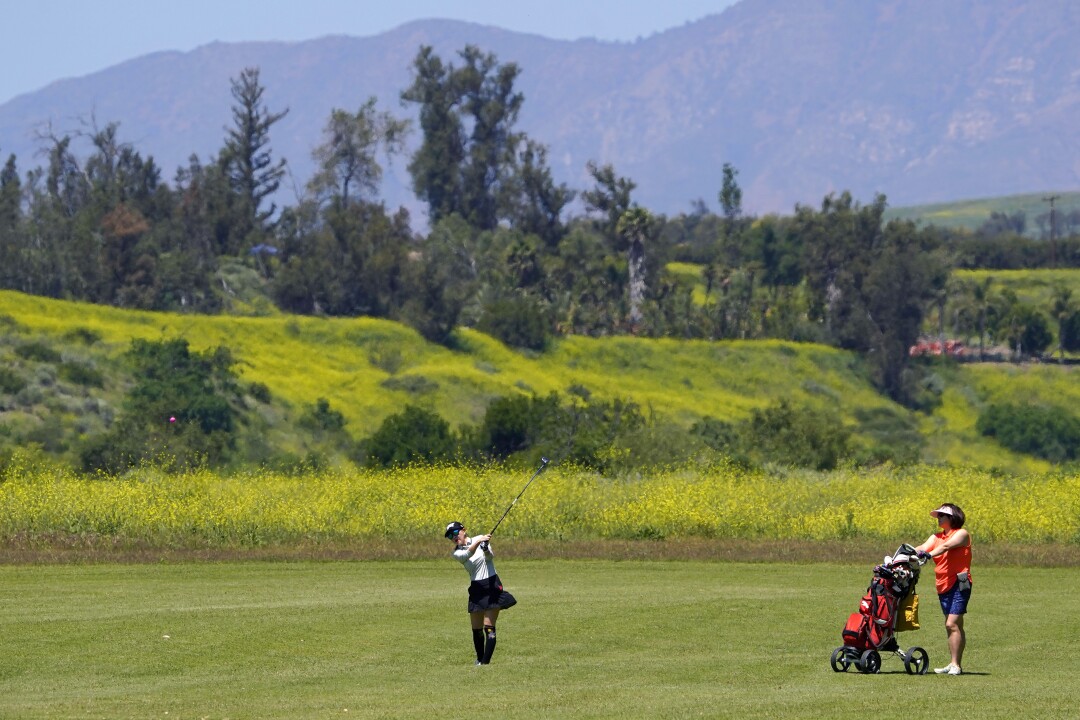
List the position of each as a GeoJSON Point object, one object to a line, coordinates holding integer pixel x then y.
{"type": "Point", "coordinates": [65, 182]}
{"type": "Point", "coordinates": [436, 166]}
{"type": "Point", "coordinates": [472, 162]}
{"type": "Point", "coordinates": [117, 173]}
{"type": "Point", "coordinates": [10, 193]}
{"type": "Point", "coordinates": [248, 160]}
{"type": "Point", "coordinates": [194, 236]}
{"type": "Point", "coordinates": [730, 196]}
{"type": "Point", "coordinates": [870, 283]}
{"type": "Point", "coordinates": [731, 250]}
{"type": "Point", "coordinates": [535, 203]}
{"type": "Point", "coordinates": [61, 252]}
{"type": "Point", "coordinates": [101, 166]}
{"type": "Point", "coordinates": [491, 105]}
{"type": "Point", "coordinates": [442, 280]}
{"type": "Point", "coordinates": [10, 224]}
{"type": "Point", "coordinates": [119, 262]}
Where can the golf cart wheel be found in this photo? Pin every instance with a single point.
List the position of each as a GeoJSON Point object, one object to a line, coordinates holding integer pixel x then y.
{"type": "Point", "coordinates": [839, 660]}
{"type": "Point", "coordinates": [916, 661]}
{"type": "Point", "coordinates": [870, 662]}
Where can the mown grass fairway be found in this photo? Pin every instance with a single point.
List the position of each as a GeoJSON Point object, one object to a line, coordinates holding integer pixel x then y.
{"type": "Point", "coordinates": [588, 639]}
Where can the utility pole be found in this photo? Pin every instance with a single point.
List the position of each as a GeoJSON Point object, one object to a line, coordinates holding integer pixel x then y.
{"type": "Point", "coordinates": [1053, 229]}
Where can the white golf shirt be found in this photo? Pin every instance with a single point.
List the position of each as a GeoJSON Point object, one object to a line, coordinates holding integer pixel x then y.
{"type": "Point", "coordinates": [480, 564]}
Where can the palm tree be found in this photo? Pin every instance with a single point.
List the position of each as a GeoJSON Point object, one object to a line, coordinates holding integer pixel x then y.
{"type": "Point", "coordinates": [633, 226]}
{"type": "Point", "coordinates": [983, 304]}
{"type": "Point", "coordinates": [1062, 310]}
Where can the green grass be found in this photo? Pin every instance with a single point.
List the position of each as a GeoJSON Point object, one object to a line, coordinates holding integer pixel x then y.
{"type": "Point", "coordinates": [690, 274]}
{"type": "Point", "coordinates": [589, 639]}
{"type": "Point", "coordinates": [950, 431]}
{"type": "Point", "coordinates": [1034, 287]}
{"type": "Point", "coordinates": [970, 214]}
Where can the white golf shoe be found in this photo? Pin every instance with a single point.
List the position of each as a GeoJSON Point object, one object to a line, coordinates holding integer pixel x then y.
{"type": "Point", "coordinates": [949, 669]}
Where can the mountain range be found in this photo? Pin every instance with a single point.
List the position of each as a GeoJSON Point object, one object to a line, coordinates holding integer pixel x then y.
{"type": "Point", "coordinates": [922, 100]}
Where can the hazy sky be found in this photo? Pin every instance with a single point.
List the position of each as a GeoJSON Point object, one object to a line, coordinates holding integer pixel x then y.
{"type": "Point", "coordinates": [46, 41]}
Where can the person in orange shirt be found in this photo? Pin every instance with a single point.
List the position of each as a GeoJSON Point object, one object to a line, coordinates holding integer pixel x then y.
{"type": "Point", "coordinates": [951, 551]}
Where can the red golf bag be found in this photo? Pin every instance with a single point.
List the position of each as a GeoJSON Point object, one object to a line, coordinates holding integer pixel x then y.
{"type": "Point", "coordinates": [875, 623]}
{"type": "Point", "coordinates": [872, 630]}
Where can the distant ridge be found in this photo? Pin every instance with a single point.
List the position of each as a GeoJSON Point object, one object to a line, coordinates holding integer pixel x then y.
{"type": "Point", "coordinates": [926, 102]}
{"type": "Point", "coordinates": [972, 213]}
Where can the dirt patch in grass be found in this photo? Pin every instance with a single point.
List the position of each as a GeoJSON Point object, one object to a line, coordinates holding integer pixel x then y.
{"type": "Point", "coordinates": [75, 549]}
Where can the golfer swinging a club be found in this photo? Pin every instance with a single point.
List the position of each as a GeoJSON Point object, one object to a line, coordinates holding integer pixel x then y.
{"type": "Point", "coordinates": [486, 594]}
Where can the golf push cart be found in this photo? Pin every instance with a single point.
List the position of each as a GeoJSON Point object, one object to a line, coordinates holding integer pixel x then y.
{"type": "Point", "coordinates": [889, 606]}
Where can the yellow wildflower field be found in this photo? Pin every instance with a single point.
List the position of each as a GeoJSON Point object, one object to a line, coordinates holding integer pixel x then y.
{"type": "Point", "coordinates": [207, 509]}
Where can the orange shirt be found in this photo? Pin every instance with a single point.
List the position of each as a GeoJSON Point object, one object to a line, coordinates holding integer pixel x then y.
{"type": "Point", "coordinates": [950, 562]}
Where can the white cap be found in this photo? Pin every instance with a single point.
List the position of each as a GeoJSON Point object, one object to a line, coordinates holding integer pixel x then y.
{"type": "Point", "coordinates": [943, 510]}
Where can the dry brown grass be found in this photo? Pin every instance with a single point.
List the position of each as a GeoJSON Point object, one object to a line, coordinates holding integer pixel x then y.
{"type": "Point", "coordinates": [70, 549]}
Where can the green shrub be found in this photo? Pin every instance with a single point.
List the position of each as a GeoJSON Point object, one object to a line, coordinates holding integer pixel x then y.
{"type": "Point", "coordinates": [322, 417]}
{"type": "Point", "coordinates": [717, 434]}
{"type": "Point", "coordinates": [659, 444]}
{"type": "Point", "coordinates": [514, 423]}
{"type": "Point", "coordinates": [517, 321]}
{"type": "Point", "coordinates": [171, 447]}
{"type": "Point", "coordinates": [30, 395]}
{"type": "Point", "coordinates": [585, 432]}
{"type": "Point", "coordinates": [172, 381]}
{"type": "Point", "coordinates": [894, 437]}
{"type": "Point", "coordinates": [82, 335]}
{"type": "Point", "coordinates": [9, 324]}
{"type": "Point", "coordinates": [261, 392]}
{"type": "Point", "coordinates": [486, 367]}
{"type": "Point", "coordinates": [1027, 329]}
{"type": "Point", "coordinates": [37, 351]}
{"type": "Point", "coordinates": [412, 384]}
{"type": "Point", "coordinates": [922, 386]}
{"type": "Point", "coordinates": [49, 435]}
{"type": "Point", "coordinates": [179, 413]}
{"type": "Point", "coordinates": [414, 435]}
{"type": "Point", "coordinates": [1045, 432]}
{"type": "Point", "coordinates": [81, 374]}
{"type": "Point", "coordinates": [581, 430]}
{"type": "Point", "coordinates": [388, 359]}
{"type": "Point", "coordinates": [10, 381]}
{"type": "Point", "coordinates": [799, 437]}
{"type": "Point", "coordinates": [1070, 333]}
{"type": "Point", "coordinates": [44, 375]}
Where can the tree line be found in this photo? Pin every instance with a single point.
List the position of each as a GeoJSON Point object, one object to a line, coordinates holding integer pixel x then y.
{"type": "Point", "coordinates": [508, 250]}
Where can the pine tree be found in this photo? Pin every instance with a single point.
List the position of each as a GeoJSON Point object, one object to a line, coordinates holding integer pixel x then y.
{"type": "Point", "coordinates": [10, 221]}
{"type": "Point", "coordinates": [248, 160]}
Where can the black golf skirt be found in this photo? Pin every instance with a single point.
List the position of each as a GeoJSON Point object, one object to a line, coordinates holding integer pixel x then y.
{"type": "Point", "coordinates": [489, 595]}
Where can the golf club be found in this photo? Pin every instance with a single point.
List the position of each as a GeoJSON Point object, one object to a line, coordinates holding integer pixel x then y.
{"type": "Point", "coordinates": [543, 464]}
